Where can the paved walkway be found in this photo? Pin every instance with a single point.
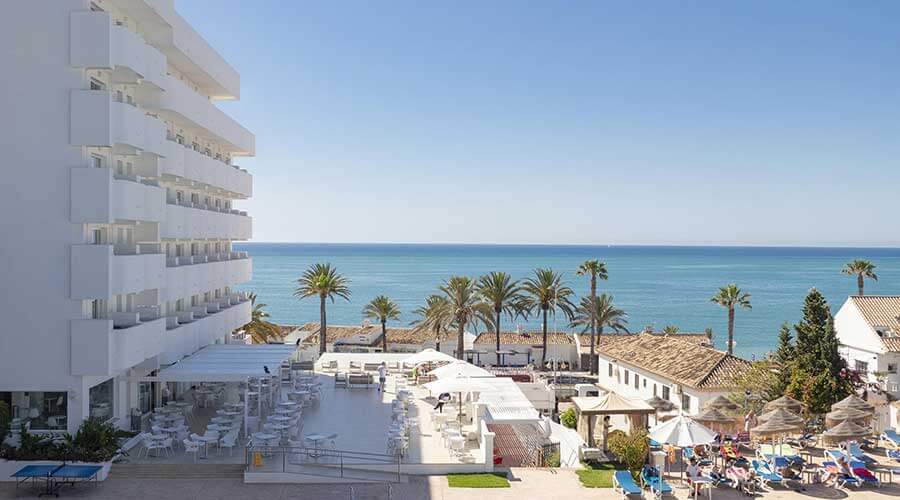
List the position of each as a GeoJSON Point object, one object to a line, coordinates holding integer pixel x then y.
{"type": "Point", "coordinates": [526, 484]}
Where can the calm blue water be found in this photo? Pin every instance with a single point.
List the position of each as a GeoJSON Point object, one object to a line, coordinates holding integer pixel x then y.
{"type": "Point", "coordinates": [655, 285]}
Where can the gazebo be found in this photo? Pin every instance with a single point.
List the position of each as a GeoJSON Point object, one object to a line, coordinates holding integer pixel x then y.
{"type": "Point", "coordinates": [610, 404]}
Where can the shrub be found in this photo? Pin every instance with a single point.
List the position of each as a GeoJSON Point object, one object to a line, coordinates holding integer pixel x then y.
{"type": "Point", "coordinates": [94, 442]}
{"type": "Point", "coordinates": [630, 449]}
{"type": "Point", "coordinates": [553, 459]}
{"type": "Point", "coordinates": [4, 420]}
{"type": "Point", "coordinates": [569, 418]}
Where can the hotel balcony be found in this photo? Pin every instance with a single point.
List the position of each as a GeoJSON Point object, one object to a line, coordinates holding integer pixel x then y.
{"type": "Point", "coordinates": [97, 42]}
{"type": "Point", "coordinates": [185, 163]}
{"type": "Point", "coordinates": [193, 275]}
{"type": "Point", "coordinates": [98, 273]}
{"type": "Point", "coordinates": [96, 119]}
{"type": "Point", "coordinates": [182, 104]}
{"type": "Point", "coordinates": [187, 222]}
{"type": "Point", "coordinates": [187, 331]}
{"type": "Point", "coordinates": [98, 196]}
{"type": "Point", "coordinates": [105, 347]}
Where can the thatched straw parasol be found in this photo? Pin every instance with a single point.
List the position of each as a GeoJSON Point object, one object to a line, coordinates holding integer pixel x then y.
{"type": "Point", "coordinates": [773, 427]}
{"type": "Point", "coordinates": [713, 416]}
{"type": "Point", "coordinates": [783, 416]}
{"type": "Point", "coordinates": [855, 402]}
{"type": "Point", "coordinates": [845, 431]}
{"type": "Point", "coordinates": [660, 404]}
{"type": "Point", "coordinates": [785, 403]}
{"type": "Point", "coordinates": [721, 403]}
{"type": "Point", "coordinates": [839, 415]}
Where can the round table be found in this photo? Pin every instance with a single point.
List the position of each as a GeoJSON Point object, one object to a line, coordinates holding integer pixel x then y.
{"type": "Point", "coordinates": [218, 427]}
{"type": "Point", "coordinates": [280, 418]}
{"type": "Point", "coordinates": [286, 411]}
{"type": "Point", "coordinates": [287, 404]}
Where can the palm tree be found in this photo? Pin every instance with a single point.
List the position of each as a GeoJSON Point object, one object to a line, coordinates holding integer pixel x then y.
{"type": "Point", "coordinates": [435, 316]}
{"type": "Point", "coordinates": [382, 309]}
{"type": "Point", "coordinates": [546, 292]}
{"type": "Point", "coordinates": [463, 306]}
{"type": "Point", "coordinates": [670, 329]}
{"type": "Point", "coordinates": [601, 313]}
{"type": "Point", "coordinates": [501, 293]}
{"type": "Point", "coordinates": [596, 270]}
{"type": "Point", "coordinates": [861, 269]}
{"type": "Point", "coordinates": [323, 281]}
{"type": "Point", "coordinates": [730, 296]}
{"type": "Point", "coordinates": [261, 331]}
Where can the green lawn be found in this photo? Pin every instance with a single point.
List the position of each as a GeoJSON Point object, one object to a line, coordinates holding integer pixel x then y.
{"type": "Point", "coordinates": [596, 476]}
{"type": "Point", "coordinates": [495, 480]}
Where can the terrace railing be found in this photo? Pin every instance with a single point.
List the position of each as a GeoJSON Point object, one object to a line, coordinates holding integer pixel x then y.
{"type": "Point", "coordinates": [323, 462]}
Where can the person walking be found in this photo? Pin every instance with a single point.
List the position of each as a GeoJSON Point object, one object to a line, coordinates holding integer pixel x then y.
{"type": "Point", "coordinates": [382, 376]}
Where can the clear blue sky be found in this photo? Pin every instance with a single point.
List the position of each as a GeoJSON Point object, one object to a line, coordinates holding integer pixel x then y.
{"type": "Point", "coordinates": [763, 122]}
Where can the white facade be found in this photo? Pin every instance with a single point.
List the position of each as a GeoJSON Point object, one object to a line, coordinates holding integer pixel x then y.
{"type": "Point", "coordinates": [121, 178]}
{"type": "Point", "coordinates": [864, 349]}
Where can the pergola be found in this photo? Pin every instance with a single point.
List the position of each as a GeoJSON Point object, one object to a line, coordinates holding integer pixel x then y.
{"type": "Point", "coordinates": [610, 404]}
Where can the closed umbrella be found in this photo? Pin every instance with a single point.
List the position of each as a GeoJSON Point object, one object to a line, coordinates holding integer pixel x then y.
{"type": "Point", "coordinates": [839, 415]}
{"type": "Point", "coordinates": [782, 416]}
{"type": "Point", "coordinates": [785, 403]}
{"type": "Point", "coordinates": [855, 402]}
{"type": "Point", "coordinates": [721, 403]}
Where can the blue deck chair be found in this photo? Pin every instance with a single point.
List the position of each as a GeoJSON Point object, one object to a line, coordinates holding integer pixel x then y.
{"type": "Point", "coordinates": [652, 479]}
{"type": "Point", "coordinates": [624, 484]}
{"type": "Point", "coordinates": [856, 453]}
{"type": "Point", "coordinates": [862, 473]}
{"type": "Point", "coordinates": [844, 480]}
{"type": "Point", "coordinates": [766, 475]}
{"type": "Point", "coordinates": [891, 436]}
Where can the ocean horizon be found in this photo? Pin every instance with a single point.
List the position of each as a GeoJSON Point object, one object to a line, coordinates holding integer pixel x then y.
{"type": "Point", "coordinates": [656, 285]}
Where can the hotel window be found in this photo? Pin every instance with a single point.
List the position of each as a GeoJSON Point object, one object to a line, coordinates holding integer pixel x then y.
{"type": "Point", "coordinates": [637, 384]}
{"type": "Point", "coordinates": [120, 168]}
{"type": "Point", "coordinates": [179, 196]}
{"type": "Point", "coordinates": [626, 377]}
{"type": "Point", "coordinates": [686, 402]}
{"type": "Point", "coordinates": [654, 390]}
{"type": "Point", "coordinates": [101, 401]}
{"type": "Point", "coordinates": [862, 366]}
{"type": "Point", "coordinates": [129, 99]}
{"type": "Point", "coordinates": [97, 309]}
{"type": "Point", "coordinates": [119, 96]}
{"type": "Point", "coordinates": [97, 84]}
{"type": "Point", "coordinates": [42, 410]}
{"type": "Point", "coordinates": [645, 382]}
{"type": "Point", "coordinates": [892, 368]}
{"type": "Point", "coordinates": [179, 139]}
{"type": "Point", "coordinates": [195, 146]}
{"type": "Point", "coordinates": [610, 369]}
{"type": "Point", "coordinates": [665, 392]}
{"type": "Point", "coordinates": [96, 161]}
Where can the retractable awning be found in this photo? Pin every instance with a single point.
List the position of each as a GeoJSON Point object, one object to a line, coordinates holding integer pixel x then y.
{"type": "Point", "coordinates": [228, 363]}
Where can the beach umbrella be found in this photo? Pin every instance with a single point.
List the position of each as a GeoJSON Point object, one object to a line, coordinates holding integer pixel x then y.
{"type": "Point", "coordinates": [721, 403]}
{"type": "Point", "coordinates": [846, 431]}
{"type": "Point", "coordinates": [660, 404]}
{"type": "Point", "coordinates": [855, 402]}
{"type": "Point", "coordinates": [713, 416]}
{"type": "Point", "coordinates": [683, 432]}
{"type": "Point", "coordinates": [429, 356]}
{"type": "Point", "coordinates": [459, 369]}
{"type": "Point", "coordinates": [458, 385]}
{"type": "Point", "coordinates": [774, 426]}
{"type": "Point", "coordinates": [844, 414]}
{"type": "Point", "coordinates": [785, 403]}
{"type": "Point", "coordinates": [782, 415]}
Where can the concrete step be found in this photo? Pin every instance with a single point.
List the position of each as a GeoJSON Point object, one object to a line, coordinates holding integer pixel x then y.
{"type": "Point", "coordinates": [177, 471]}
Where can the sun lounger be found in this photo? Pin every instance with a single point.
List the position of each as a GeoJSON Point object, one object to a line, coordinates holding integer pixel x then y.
{"type": "Point", "coordinates": [843, 479]}
{"type": "Point", "coordinates": [652, 479]}
{"type": "Point", "coordinates": [688, 453]}
{"type": "Point", "coordinates": [765, 475]}
{"type": "Point", "coordinates": [856, 453]}
{"type": "Point", "coordinates": [624, 484]}
{"type": "Point", "coordinates": [863, 474]}
{"type": "Point", "coordinates": [891, 437]}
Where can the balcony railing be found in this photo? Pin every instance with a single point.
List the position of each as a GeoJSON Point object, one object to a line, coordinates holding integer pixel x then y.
{"type": "Point", "coordinates": [198, 220]}
{"type": "Point", "coordinates": [188, 260]}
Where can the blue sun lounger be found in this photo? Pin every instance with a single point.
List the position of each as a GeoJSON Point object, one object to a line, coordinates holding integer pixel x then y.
{"type": "Point", "coordinates": [652, 479]}
{"type": "Point", "coordinates": [891, 436]}
{"type": "Point", "coordinates": [766, 475]}
{"type": "Point", "coordinates": [54, 476]}
{"type": "Point", "coordinates": [624, 484]}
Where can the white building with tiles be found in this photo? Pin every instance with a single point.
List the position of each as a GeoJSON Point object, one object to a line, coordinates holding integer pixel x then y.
{"type": "Point", "coordinates": [868, 329]}
{"type": "Point", "coordinates": [122, 170]}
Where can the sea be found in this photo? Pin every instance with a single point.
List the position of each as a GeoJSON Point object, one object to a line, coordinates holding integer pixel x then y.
{"type": "Point", "coordinates": [655, 285]}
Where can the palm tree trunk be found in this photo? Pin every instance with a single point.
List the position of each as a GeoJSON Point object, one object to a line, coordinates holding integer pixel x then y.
{"type": "Point", "coordinates": [593, 363]}
{"type": "Point", "coordinates": [383, 337]}
{"type": "Point", "coordinates": [544, 344]}
{"type": "Point", "coordinates": [497, 327]}
{"type": "Point", "coordinates": [460, 344]}
{"type": "Point", "coordinates": [731, 330]}
{"type": "Point", "coordinates": [437, 339]}
{"type": "Point", "coordinates": [322, 327]}
{"type": "Point", "coordinates": [859, 283]}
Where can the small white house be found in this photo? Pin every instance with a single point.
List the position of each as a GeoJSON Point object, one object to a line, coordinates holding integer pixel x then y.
{"type": "Point", "coordinates": [683, 371]}
{"type": "Point", "coordinates": [521, 349]}
{"type": "Point", "coordinates": [868, 329]}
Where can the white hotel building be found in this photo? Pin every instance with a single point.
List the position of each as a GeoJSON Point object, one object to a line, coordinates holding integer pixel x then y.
{"type": "Point", "coordinates": [120, 205]}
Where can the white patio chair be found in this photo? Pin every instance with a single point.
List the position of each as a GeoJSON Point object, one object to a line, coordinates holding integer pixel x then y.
{"type": "Point", "coordinates": [152, 445]}
{"type": "Point", "coordinates": [191, 447]}
{"type": "Point", "coordinates": [167, 446]}
{"type": "Point", "coordinates": [229, 441]}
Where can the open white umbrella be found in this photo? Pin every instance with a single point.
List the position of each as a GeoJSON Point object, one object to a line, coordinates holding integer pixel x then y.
{"type": "Point", "coordinates": [459, 369]}
{"type": "Point", "coordinates": [428, 356]}
{"type": "Point", "coordinates": [683, 432]}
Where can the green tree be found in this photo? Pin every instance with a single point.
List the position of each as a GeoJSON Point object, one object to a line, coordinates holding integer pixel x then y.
{"type": "Point", "coordinates": [323, 281]}
{"type": "Point", "coordinates": [861, 269]}
{"type": "Point", "coordinates": [569, 418]}
{"type": "Point", "coordinates": [464, 306]}
{"type": "Point", "coordinates": [783, 359]}
{"type": "Point", "coordinates": [757, 386]}
{"type": "Point", "coordinates": [546, 292]}
{"type": "Point", "coordinates": [729, 297]}
{"type": "Point", "coordinates": [435, 315]}
{"type": "Point", "coordinates": [382, 309]}
{"type": "Point", "coordinates": [670, 329]}
{"type": "Point", "coordinates": [596, 270]}
{"type": "Point", "coordinates": [261, 331]}
{"type": "Point", "coordinates": [502, 294]}
{"type": "Point", "coordinates": [602, 312]}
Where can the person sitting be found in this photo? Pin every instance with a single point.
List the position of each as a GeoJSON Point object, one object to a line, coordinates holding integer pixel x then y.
{"type": "Point", "coordinates": [693, 473]}
{"type": "Point", "coordinates": [442, 399]}
{"type": "Point", "coordinates": [833, 475]}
